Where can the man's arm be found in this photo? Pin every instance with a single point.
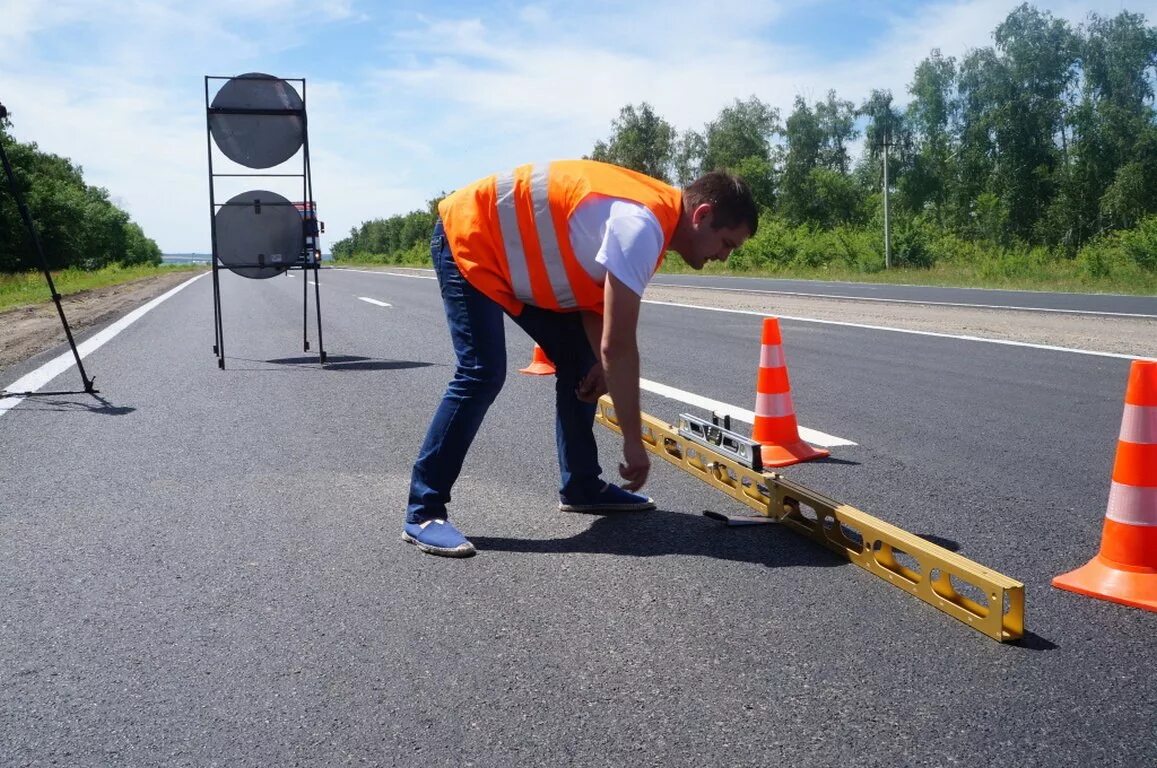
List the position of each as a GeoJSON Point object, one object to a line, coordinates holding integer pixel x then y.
{"type": "Point", "coordinates": [619, 352]}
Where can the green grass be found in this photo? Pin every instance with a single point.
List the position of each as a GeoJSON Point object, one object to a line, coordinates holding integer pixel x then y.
{"type": "Point", "coordinates": [30, 288]}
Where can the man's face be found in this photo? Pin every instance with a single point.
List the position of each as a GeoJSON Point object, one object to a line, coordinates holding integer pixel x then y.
{"type": "Point", "coordinates": [709, 243]}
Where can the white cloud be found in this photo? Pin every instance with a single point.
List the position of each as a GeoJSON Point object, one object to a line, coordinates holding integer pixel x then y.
{"type": "Point", "coordinates": [411, 100]}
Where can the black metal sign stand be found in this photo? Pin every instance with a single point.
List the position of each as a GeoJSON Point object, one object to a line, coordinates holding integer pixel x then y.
{"type": "Point", "coordinates": [309, 259]}
{"type": "Point", "coordinates": [26, 216]}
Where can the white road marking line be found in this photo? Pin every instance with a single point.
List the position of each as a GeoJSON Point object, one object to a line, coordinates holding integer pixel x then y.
{"type": "Point", "coordinates": [959, 337]}
{"type": "Point", "coordinates": [391, 274]}
{"type": "Point", "coordinates": [407, 274]}
{"type": "Point", "coordinates": [765, 291]}
{"type": "Point", "coordinates": [813, 436]}
{"type": "Point", "coordinates": [374, 301]}
{"type": "Point", "coordinates": [41, 376]}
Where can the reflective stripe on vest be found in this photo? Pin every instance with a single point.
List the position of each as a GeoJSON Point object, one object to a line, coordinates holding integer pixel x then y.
{"type": "Point", "coordinates": [510, 237]}
{"type": "Point", "coordinates": [516, 257]}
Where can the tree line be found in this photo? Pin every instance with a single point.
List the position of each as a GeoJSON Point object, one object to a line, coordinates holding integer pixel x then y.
{"type": "Point", "coordinates": [1041, 147]}
{"type": "Point", "coordinates": [394, 240]}
{"type": "Point", "coordinates": [76, 223]}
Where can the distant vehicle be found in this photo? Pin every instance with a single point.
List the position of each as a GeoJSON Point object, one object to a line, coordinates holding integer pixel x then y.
{"type": "Point", "coordinates": [313, 228]}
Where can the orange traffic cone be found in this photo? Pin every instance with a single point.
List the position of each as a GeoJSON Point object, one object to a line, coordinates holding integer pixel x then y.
{"type": "Point", "coordinates": [775, 426]}
{"type": "Point", "coordinates": [1125, 570]}
{"type": "Point", "coordinates": [540, 364]}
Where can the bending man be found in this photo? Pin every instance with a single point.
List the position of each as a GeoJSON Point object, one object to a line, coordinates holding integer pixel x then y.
{"type": "Point", "coordinates": [566, 250]}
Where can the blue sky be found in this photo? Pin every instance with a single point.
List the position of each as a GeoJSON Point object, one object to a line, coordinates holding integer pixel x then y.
{"type": "Point", "coordinates": [410, 99]}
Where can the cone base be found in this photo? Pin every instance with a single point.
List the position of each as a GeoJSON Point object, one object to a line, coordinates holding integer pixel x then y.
{"type": "Point", "coordinates": [538, 369]}
{"type": "Point", "coordinates": [784, 455]}
{"type": "Point", "coordinates": [1101, 579]}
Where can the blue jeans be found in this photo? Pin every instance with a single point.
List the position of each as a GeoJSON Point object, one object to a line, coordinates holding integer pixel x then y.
{"type": "Point", "coordinates": [478, 334]}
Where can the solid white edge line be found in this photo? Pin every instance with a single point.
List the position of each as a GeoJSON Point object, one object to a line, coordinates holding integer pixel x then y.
{"type": "Point", "coordinates": [959, 337]}
{"type": "Point", "coordinates": [35, 380]}
{"type": "Point", "coordinates": [374, 301]}
{"type": "Point", "coordinates": [963, 305]}
{"type": "Point", "coordinates": [813, 436]}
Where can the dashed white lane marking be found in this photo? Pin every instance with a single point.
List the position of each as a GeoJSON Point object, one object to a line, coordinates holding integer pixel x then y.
{"type": "Point", "coordinates": [813, 436]}
{"type": "Point", "coordinates": [375, 302]}
{"type": "Point", "coordinates": [959, 337]}
{"type": "Point", "coordinates": [34, 381]}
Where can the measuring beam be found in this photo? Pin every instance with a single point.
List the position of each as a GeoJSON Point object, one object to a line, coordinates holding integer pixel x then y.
{"type": "Point", "coordinates": [982, 598]}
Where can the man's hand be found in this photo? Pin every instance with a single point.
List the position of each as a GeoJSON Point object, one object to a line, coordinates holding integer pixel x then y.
{"type": "Point", "coordinates": [593, 386]}
{"type": "Point", "coordinates": [636, 467]}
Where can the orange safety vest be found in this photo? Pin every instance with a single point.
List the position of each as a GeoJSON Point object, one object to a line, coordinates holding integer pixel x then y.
{"type": "Point", "coordinates": [510, 235]}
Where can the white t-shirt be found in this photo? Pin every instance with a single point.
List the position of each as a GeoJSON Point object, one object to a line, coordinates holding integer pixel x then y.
{"type": "Point", "coordinates": [610, 234]}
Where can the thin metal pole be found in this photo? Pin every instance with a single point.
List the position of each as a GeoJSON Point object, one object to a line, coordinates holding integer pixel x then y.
{"type": "Point", "coordinates": [305, 306]}
{"type": "Point", "coordinates": [313, 222]}
{"type": "Point", "coordinates": [887, 236]}
{"type": "Point", "coordinates": [26, 216]}
{"type": "Point", "coordinates": [317, 303]}
{"type": "Point", "coordinates": [218, 326]}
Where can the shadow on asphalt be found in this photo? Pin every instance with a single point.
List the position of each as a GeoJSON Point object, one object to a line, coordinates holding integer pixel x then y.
{"type": "Point", "coordinates": [831, 460]}
{"type": "Point", "coordinates": [661, 532]}
{"type": "Point", "coordinates": [1034, 642]}
{"type": "Point", "coordinates": [332, 363]}
{"type": "Point", "coordinates": [650, 534]}
{"type": "Point", "coordinates": [37, 402]}
{"type": "Point", "coordinates": [351, 363]}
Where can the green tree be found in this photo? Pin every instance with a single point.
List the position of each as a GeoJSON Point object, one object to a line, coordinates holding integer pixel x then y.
{"type": "Point", "coordinates": [742, 130]}
{"type": "Point", "coordinates": [1124, 202]}
{"type": "Point", "coordinates": [815, 186]}
{"type": "Point", "coordinates": [392, 239]}
{"type": "Point", "coordinates": [760, 177]}
{"type": "Point", "coordinates": [1037, 64]}
{"type": "Point", "coordinates": [886, 130]}
{"type": "Point", "coordinates": [76, 224]}
{"type": "Point", "coordinates": [688, 156]}
{"type": "Point", "coordinates": [930, 116]}
{"type": "Point", "coordinates": [803, 139]}
{"type": "Point", "coordinates": [1115, 139]}
{"type": "Point", "coordinates": [979, 92]}
{"type": "Point", "coordinates": [640, 140]}
{"type": "Point", "coordinates": [837, 125]}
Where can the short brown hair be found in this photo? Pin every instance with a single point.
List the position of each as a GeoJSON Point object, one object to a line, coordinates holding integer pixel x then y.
{"type": "Point", "coordinates": [730, 197]}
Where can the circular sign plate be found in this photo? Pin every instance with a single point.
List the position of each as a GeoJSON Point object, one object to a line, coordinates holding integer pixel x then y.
{"type": "Point", "coordinates": [259, 234]}
{"type": "Point", "coordinates": [258, 140]}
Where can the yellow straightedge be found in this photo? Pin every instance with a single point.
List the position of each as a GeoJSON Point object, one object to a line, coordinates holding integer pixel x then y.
{"type": "Point", "coordinates": [985, 600]}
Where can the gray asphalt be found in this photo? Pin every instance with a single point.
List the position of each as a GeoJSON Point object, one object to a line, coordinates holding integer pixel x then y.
{"type": "Point", "coordinates": [202, 567]}
{"type": "Point", "coordinates": [973, 297]}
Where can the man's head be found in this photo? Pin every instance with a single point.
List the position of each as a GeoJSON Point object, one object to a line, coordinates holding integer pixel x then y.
{"type": "Point", "coordinates": [719, 215]}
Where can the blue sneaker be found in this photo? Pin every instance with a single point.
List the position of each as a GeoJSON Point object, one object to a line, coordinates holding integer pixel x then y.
{"type": "Point", "coordinates": [611, 498]}
{"type": "Point", "coordinates": [438, 537]}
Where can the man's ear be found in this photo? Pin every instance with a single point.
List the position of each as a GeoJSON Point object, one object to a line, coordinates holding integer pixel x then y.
{"type": "Point", "coordinates": [701, 212]}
